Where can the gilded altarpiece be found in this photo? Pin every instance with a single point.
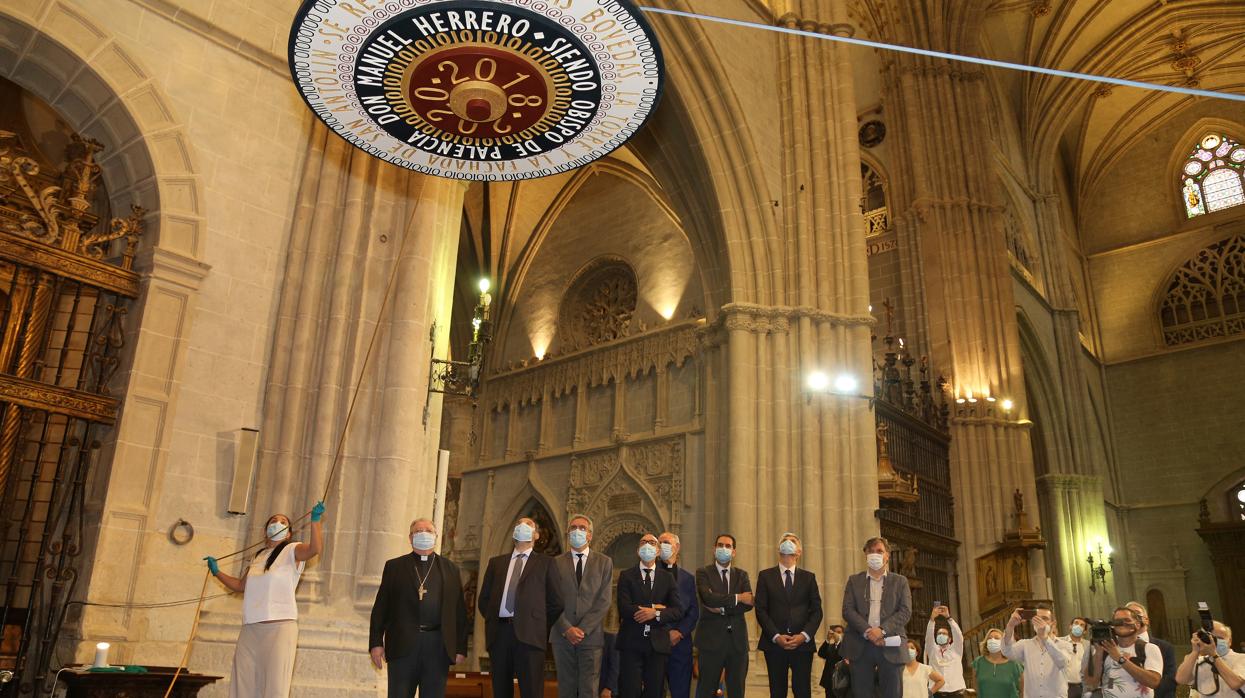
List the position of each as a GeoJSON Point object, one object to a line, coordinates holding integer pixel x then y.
{"type": "Point", "coordinates": [66, 282]}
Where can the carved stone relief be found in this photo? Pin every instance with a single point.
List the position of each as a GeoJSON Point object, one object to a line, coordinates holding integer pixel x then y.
{"type": "Point", "coordinates": [599, 305]}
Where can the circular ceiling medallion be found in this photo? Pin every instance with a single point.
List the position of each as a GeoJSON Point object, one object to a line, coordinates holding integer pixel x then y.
{"type": "Point", "coordinates": [478, 89]}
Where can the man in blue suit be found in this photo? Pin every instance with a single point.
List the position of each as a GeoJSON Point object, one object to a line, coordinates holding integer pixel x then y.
{"type": "Point", "coordinates": [679, 666]}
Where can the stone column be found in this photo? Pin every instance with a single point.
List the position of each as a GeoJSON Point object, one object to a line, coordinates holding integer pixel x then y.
{"type": "Point", "coordinates": [946, 204]}
{"type": "Point", "coordinates": [356, 218]}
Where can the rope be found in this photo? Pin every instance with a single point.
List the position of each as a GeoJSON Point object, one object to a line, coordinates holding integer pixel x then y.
{"type": "Point", "coordinates": [337, 457]}
{"type": "Point", "coordinates": [194, 627]}
{"type": "Point", "coordinates": [954, 56]}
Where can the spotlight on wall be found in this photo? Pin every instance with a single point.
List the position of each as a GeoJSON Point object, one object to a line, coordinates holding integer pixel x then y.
{"type": "Point", "coordinates": [846, 384]}
{"type": "Point", "coordinates": [818, 382]}
{"type": "Point", "coordinates": [1100, 566]}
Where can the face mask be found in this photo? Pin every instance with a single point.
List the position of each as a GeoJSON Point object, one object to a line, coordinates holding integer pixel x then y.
{"type": "Point", "coordinates": [523, 533]}
{"type": "Point", "coordinates": [648, 553]}
{"type": "Point", "coordinates": [423, 540]}
{"type": "Point", "coordinates": [787, 547]}
{"type": "Point", "coordinates": [911, 655]}
{"type": "Point", "coordinates": [277, 531]}
{"type": "Point", "coordinates": [1077, 631]}
{"type": "Point", "coordinates": [874, 560]}
{"type": "Point", "coordinates": [579, 538]}
{"type": "Point", "coordinates": [942, 639]}
{"type": "Point", "coordinates": [1221, 646]}
{"type": "Point", "coordinates": [667, 552]}
{"type": "Point", "coordinates": [722, 555]}
{"type": "Point", "coordinates": [993, 644]}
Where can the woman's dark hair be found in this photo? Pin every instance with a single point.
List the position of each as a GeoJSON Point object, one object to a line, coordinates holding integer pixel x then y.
{"type": "Point", "coordinates": [276, 551]}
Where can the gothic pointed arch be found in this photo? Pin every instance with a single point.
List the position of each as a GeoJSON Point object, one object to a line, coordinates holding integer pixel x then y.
{"type": "Point", "coordinates": [1204, 298]}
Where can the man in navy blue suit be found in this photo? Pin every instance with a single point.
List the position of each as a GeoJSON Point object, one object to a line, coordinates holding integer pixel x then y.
{"type": "Point", "coordinates": [648, 605]}
{"type": "Point", "coordinates": [679, 667]}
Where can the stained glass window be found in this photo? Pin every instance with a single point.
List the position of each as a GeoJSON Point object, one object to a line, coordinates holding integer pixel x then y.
{"type": "Point", "coordinates": [1211, 179]}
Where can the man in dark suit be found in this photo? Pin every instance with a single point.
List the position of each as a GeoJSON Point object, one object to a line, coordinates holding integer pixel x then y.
{"type": "Point", "coordinates": [829, 651]}
{"type": "Point", "coordinates": [876, 605]}
{"type": "Point", "coordinates": [608, 685]}
{"type": "Point", "coordinates": [584, 578]}
{"type": "Point", "coordinates": [679, 667]}
{"type": "Point", "coordinates": [519, 600]}
{"type": "Point", "coordinates": [788, 605]}
{"type": "Point", "coordinates": [725, 595]}
{"type": "Point", "coordinates": [419, 618]}
{"type": "Point", "coordinates": [1167, 685]}
{"type": "Point", "coordinates": [648, 605]}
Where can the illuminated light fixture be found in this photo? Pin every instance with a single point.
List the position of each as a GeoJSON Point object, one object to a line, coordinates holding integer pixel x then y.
{"type": "Point", "coordinates": [463, 377]}
{"type": "Point", "coordinates": [846, 384]}
{"type": "Point", "coordinates": [1101, 566]}
{"type": "Point", "coordinates": [990, 398]}
{"type": "Point", "coordinates": [485, 285]}
{"type": "Point", "coordinates": [101, 655]}
{"type": "Point", "coordinates": [818, 382]}
{"type": "Point", "coordinates": [1008, 405]}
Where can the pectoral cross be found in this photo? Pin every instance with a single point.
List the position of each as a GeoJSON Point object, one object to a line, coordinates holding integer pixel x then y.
{"type": "Point", "coordinates": [422, 592]}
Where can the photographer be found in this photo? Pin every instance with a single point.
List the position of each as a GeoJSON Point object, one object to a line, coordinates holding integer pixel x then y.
{"type": "Point", "coordinates": [1126, 666]}
{"type": "Point", "coordinates": [1213, 670]}
{"type": "Point", "coordinates": [1044, 656]}
{"type": "Point", "coordinates": [944, 651]}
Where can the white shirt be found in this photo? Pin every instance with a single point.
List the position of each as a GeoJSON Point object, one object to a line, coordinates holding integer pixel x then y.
{"type": "Point", "coordinates": [1118, 683]}
{"type": "Point", "coordinates": [1044, 664]}
{"type": "Point", "coordinates": [947, 659]}
{"type": "Point", "coordinates": [875, 599]}
{"type": "Point", "coordinates": [269, 595]}
{"type": "Point", "coordinates": [527, 554]}
{"type": "Point", "coordinates": [1204, 678]}
{"type": "Point", "coordinates": [1079, 653]}
{"type": "Point", "coordinates": [916, 682]}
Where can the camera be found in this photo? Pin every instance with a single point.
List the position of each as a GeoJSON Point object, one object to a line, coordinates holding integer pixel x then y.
{"type": "Point", "coordinates": [1208, 624]}
{"type": "Point", "coordinates": [1027, 613]}
{"type": "Point", "coordinates": [1101, 630]}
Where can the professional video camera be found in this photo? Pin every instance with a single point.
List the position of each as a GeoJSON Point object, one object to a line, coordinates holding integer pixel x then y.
{"type": "Point", "coordinates": [1100, 630]}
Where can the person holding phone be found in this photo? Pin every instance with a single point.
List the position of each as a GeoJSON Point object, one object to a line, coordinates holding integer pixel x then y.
{"type": "Point", "coordinates": [944, 650]}
{"type": "Point", "coordinates": [1043, 656]}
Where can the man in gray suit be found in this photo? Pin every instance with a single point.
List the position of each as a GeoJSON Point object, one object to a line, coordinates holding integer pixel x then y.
{"type": "Point", "coordinates": [584, 579]}
{"type": "Point", "coordinates": [876, 605]}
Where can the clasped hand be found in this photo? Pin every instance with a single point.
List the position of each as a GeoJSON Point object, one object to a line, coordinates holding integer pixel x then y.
{"type": "Point", "coordinates": [876, 636]}
{"type": "Point", "coordinates": [790, 642]}
{"type": "Point", "coordinates": [644, 614]}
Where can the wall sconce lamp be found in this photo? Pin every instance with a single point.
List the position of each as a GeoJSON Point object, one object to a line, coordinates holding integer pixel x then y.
{"type": "Point", "coordinates": [1100, 566]}
{"type": "Point", "coordinates": [463, 377]}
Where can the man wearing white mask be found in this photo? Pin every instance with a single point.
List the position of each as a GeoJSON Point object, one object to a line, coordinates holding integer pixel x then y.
{"type": "Point", "coordinates": [679, 666]}
{"type": "Point", "coordinates": [519, 600]}
{"type": "Point", "coordinates": [877, 605]}
{"type": "Point", "coordinates": [1212, 669]}
{"type": "Point", "coordinates": [1043, 656]}
{"type": "Point", "coordinates": [944, 651]}
{"type": "Point", "coordinates": [648, 605]}
{"type": "Point", "coordinates": [1074, 672]}
{"type": "Point", "coordinates": [788, 604]}
{"type": "Point", "coordinates": [578, 641]}
{"type": "Point", "coordinates": [419, 618]}
{"type": "Point", "coordinates": [725, 595]}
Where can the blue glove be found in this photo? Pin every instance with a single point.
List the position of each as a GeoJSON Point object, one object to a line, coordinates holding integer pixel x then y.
{"type": "Point", "coordinates": [317, 512]}
{"type": "Point", "coordinates": [213, 567]}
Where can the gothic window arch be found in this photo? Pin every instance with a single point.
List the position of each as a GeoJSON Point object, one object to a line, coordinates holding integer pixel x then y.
{"type": "Point", "coordinates": [1236, 502]}
{"type": "Point", "coordinates": [873, 201]}
{"type": "Point", "coordinates": [1211, 178]}
{"type": "Point", "coordinates": [600, 304]}
{"type": "Point", "coordinates": [1206, 296]}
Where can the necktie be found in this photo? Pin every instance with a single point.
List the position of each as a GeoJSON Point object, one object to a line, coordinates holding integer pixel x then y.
{"type": "Point", "coordinates": [648, 581]}
{"type": "Point", "coordinates": [787, 574]}
{"type": "Point", "coordinates": [512, 589]}
{"type": "Point", "coordinates": [726, 582]}
{"type": "Point", "coordinates": [579, 568]}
